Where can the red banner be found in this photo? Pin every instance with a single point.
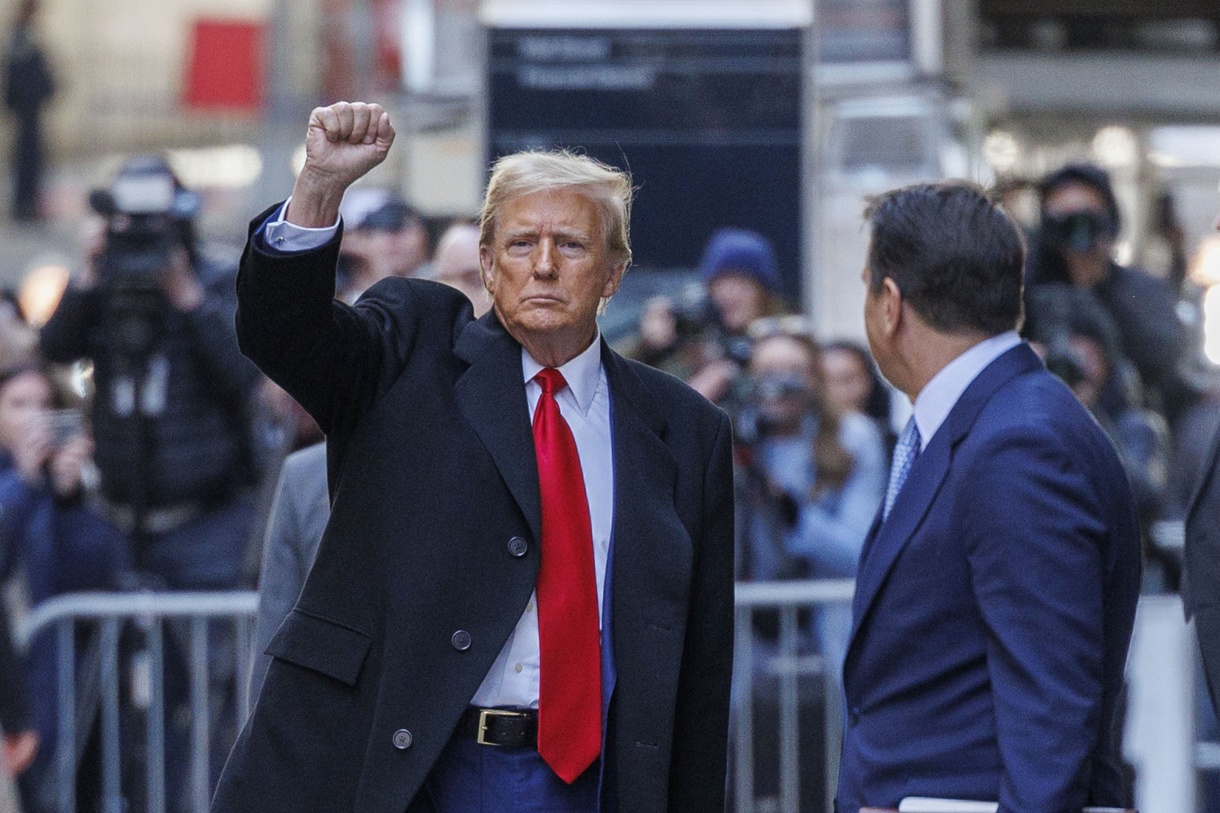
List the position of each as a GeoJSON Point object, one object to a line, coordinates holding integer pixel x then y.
{"type": "Point", "coordinates": [225, 71]}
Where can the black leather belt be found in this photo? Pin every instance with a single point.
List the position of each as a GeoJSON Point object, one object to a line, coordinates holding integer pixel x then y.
{"type": "Point", "coordinates": [511, 728]}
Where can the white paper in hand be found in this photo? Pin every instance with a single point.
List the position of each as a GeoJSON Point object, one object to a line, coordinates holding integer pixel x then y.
{"type": "Point", "coordinates": [923, 804]}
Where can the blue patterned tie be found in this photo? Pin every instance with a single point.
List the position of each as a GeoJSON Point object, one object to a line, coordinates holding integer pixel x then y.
{"type": "Point", "coordinates": [905, 452]}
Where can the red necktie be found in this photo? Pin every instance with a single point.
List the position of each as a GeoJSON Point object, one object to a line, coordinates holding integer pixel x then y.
{"type": "Point", "coordinates": [569, 680]}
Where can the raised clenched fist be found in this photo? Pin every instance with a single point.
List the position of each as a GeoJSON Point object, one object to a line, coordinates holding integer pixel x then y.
{"type": "Point", "coordinates": [343, 142]}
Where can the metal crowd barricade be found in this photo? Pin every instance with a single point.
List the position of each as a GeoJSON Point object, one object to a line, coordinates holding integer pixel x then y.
{"type": "Point", "coordinates": [1159, 737]}
{"type": "Point", "coordinates": [790, 660]}
{"type": "Point", "coordinates": [90, 685]}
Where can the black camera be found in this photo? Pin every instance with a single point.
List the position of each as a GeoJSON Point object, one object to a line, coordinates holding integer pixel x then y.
{"type": "Point", "coordinates": [147, 214]}
{"type": "Point", "coordinates": [697, 319]}
{"type": "Point", "coordinates": [1078, 231]}
{"type": "Point", "coordinates": [694, 313]}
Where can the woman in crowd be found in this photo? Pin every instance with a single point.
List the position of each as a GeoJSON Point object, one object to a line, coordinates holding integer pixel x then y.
{"type": "Point", "coordinates": [50, 539]}
{"type": "Point", "coordinates": [702, 337]}
{"type": "Point", "coordinates": [812, 477]}
{"type": "Point", "coordinates": [1079, 342]}
{"type": "Point", "coordinates": [854, 385]}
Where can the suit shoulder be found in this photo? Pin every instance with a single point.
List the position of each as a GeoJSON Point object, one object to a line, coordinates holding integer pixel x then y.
{"type": "Point", "coordinates": [694, 427]}
{"type": "Point", "coordinates": [429, 294]}
{"type": "Point", "coordinates": [431, 306]}
{"type": "Point", "coordinates": [1039, 411]}
{"type": "Point", "coordinates": [675, 396]}
{"type": "Point", "coordinates": [1036, 401]}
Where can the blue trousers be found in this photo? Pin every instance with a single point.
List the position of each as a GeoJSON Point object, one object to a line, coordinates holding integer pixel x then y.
{"type": "Point", "coordinates": [473, 778]}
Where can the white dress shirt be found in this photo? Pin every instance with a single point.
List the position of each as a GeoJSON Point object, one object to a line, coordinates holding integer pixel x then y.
{"type": "Point", "coordinates": [938, 397]}
{"type": "Point", "coordinates": [585, 405]}
{"type": "Point", "coordinates": [281, 235]}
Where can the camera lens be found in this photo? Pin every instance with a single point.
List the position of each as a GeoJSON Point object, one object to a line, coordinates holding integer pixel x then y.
{"type": "Point", "coordinates": [1078, 231]}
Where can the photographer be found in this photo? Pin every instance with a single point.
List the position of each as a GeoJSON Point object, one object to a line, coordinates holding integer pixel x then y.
{"type": "Point", "coordinates": [172, 391]}
{"type": "Point", "coordinates": [51, 540]}
{"type": "Point", "coordinates": [172, 395]}
{"type": "Point", "coordinates": [1079, 343]}
{"type": "Point", "coordinates": [1075, 246]}
{"type": "Point", "coordinates": [810, 478]}
{"type": "Point", "coordinates": [808, 483]}
{"type": "Point", "coordinates": [701, 336]}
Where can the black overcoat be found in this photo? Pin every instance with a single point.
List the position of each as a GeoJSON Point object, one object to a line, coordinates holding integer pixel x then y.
{"type": "Point", "coordinates": [419, 578]}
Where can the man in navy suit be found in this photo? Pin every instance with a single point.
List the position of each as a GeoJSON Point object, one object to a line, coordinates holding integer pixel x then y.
{"type": "Point", "coordinates": [419, 670]}
{"type": "Point", "coordinates": [997, 588]}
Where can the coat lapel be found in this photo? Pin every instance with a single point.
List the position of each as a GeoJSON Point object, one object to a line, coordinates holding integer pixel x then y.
{"type": "Point", "coordinates": [887, 539]}
{"type": "Point", "coordinates": [649, 570]}
{"type": "Point", "coordinates": [1196, 550]}
{"type": "Point", "coordinates": [1205, 476]}
{"type": "Point", "coordinates": [645, 472]}
{"type": "Point", "coordinates": [491, 395]}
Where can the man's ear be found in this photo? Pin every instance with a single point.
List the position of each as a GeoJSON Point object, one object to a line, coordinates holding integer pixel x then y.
{"type": "Point", "coordinates": [487, 265]}
{"type": "Point", "coordinates": [891, 304]}
{"type": "Point", "coordinates": [614, 280]}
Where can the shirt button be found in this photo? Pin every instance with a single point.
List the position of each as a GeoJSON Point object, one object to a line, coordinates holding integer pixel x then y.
{"type": "Point", "coordinates": [518, 668]}
{"type": "Point", "coordinates": [460, 640]}
{"type": "Point", "coordinates": [518, 547]}
{"type": "Point", "coordinates": [529, 608]}
{"type": "Point", "coordinates": [402, 739]}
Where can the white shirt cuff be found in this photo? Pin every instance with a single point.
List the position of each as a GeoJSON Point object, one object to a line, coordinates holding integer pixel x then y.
{"type": "Point", "coordinates": [285, 238]}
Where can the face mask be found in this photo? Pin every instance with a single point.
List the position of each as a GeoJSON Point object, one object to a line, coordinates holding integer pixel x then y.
{"type": "Point", "coordinates": [1078, 231]}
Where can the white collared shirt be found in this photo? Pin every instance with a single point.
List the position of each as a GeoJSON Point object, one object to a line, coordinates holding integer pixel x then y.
{"type": "Point", "coordinates": [280, 235]}
{"type": "Point", "coordinates": [585, 405]}
{"type": "Point", "coordinates": [938, 397]}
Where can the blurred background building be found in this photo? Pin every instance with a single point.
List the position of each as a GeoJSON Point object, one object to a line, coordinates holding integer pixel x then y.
{"type": "Point", "coordinates": [815, 102]}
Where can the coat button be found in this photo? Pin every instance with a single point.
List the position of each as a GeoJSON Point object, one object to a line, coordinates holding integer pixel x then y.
{"type": "Point", "coordinates": [460, 640]}
{"type": "Point", "coordinates": [402, 739]}
{"type": "Point", "coordinates": [518, 547]}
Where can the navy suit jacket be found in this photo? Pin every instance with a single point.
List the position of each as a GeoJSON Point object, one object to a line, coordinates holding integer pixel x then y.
{"type": "Point", "coordinates": [994, 608]}
{"type": "Point", "coordinates": [421, 576]}
{"type": "Point", "coordinates": [1201, 588]}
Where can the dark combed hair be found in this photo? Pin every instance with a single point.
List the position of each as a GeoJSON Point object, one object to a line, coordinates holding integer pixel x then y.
{"type": "Point", "coordinates": [953, 253]}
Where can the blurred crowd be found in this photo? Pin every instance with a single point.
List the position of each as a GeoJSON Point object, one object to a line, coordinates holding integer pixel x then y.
{"type": "Point", "coordinates": [140, 451]}
{"type": "Point", "coordinates": [815, 424]}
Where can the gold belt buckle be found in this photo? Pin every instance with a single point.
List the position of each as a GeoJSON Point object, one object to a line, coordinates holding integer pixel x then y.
{"type": "Point", "coordinates": [484, 714]}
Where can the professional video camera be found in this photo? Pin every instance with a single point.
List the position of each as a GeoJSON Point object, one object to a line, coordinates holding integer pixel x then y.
{"type": "Point", "coordinates": [148, 215]}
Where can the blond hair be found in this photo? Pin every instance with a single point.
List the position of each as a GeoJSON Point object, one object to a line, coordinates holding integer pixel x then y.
{"type": "Point", "coordinates": [525, 173]}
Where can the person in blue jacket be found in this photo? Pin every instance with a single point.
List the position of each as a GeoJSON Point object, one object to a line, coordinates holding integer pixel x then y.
{"type": "Point", "coordinates": [51, 540]}
{"type": "Point", "coordinates": [811, 476]}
